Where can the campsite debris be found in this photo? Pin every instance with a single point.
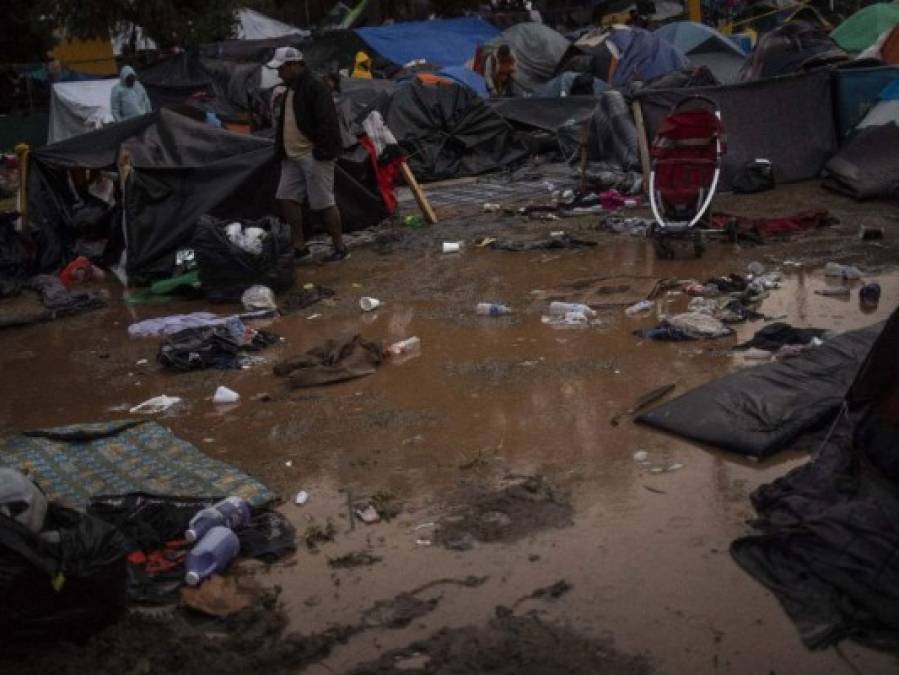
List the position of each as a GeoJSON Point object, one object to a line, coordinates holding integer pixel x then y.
{"type": "Point", "coordinates": [225, 395]}
{"type": "Point", "coordinates": [641, 456]}
{"type": "Point", "coordinates": [410, 345]}
{"type": "Point", "coordinates": [155, 405]}
{"type": "Point", "coordinates": [869, 294]}
{"type": "Point", "coordinates": [142, 362]}
{"type": "Point", "coordinates": [355, 559]}
{"type": "Point", "coordinates": [452, 246]}
{"type": "Point", "coordinates": [848, 272]}
{"type": "Point", "coordinates": [756, 268]}
{"type": "Point", "coordinates": [492, 309]}
{"type": "Point", "coordinates": [308, 295]}
{"type": "Point", "coordinates": [219, 597]}
{"type": "Point", "coordinates": [644, 401]}
{"type": "Point", "coordinates": [368, 304]}
{"type": "Point", "coordinates": [492, 208]}
{"type": "Point", "coordinates": [568, 320]}
{"type": "Point", "coordinates": [666, 469]}
{"type": "Point", "coordinates": [414, 221]}
{"type": "Point", "coordinates": [368, 515]}
{"type": "Point", "coordinates": [757, 354]}
{"type": "Point", "coordinates": [773, 336]}
{"type": "Point", "coordinates": [301, 498]}
{"type": "Point", "coordinates": [833, 291]}
{"type": "Point", "coordinates": [258, 297]}
{"type": "Point", "coordinates": [564, 308]}
{"type": "Point", "coordinates": [232, 512]}
{"type": "Point", "coordinates": [870, 233]}
{"type": "Point", "coordinates": [316, 534]}
{"type": "Point", "coordinates": [639, 307]}
{"type": "Point", "coordinates": [213, 553]}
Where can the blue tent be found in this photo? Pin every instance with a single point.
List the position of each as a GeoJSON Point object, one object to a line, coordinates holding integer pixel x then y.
{"type": "Point", "coordinates": [449, 42]}
{"type": "Point", "coordinates": [643, 56]}
{"type": "Point", "coordinates": [468, 77]}
{"type": "Point", "coordinates": [705, 46]}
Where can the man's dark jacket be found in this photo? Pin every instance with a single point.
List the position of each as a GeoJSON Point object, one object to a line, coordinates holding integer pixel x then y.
{"type": "Point", "coordinates": [316, 118]}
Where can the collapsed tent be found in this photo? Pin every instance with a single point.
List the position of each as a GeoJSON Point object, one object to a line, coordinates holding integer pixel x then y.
{"type": "Point", "coordinates": [787, 120]}
{"type": "Point", "coordinates": [447, 42]}
{"type": "Point", "coordinates": [79, 107]}
{"type": "Point", "coordinates": [758, 411]}
{"type": "Point", "coordinates": [705, 46]}
{"type": "Point", "coordinates": [181, 170]}
{"type": "Point", "coordinates": [537, 49]}
{"type": "Point", "coordinates": [828, 529]}
{"type": "Point", "coordinates": [862, 29]}
{"type": "Point", "coordinates": [448, 131]}
{"type": "Point", "coordinates": [795, 47]}
{"type": "Point", "coordinates": [868, 165]}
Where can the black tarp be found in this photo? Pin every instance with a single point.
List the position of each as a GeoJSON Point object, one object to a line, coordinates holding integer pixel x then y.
{"type": "Point", "coordinates": [760, 410]}
{"type": "Point", "coordinates": [788, 120]}
{"type": "Point", "coordinates": [448, 131]}
{"type": "Point", "coordinates": [867, 165]}
{"type": "Point", "coordinates": [794, 47]}
{"type": "Point", "coordinates": [829, 530]}
{"type": "Point", "coordinates": [547, 113]}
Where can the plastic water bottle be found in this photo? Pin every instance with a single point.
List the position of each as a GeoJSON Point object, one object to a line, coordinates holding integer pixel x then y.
{"type": "Point", "coordinates": [492, 309]}
{"type": "Point", "coordinates": [232, 513]}
{"type": "Point", "coordinates": [563, 308]}
{"type": "Point", "coordinates": [638, 307]}
{"type": "Point", "coordinates": [213, 553]}
{"type": "Point", "coordinates": [407, 346]}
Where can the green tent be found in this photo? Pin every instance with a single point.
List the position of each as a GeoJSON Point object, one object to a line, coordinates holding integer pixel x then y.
{"type": "Point", "coordinates": [860, 30]}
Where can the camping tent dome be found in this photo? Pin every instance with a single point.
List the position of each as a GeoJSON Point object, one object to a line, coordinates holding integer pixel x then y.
{"type": "Point", "coordinates": [705, 46]}
{"type": "Point", "coordinates": [538, 49]}
{"type": "Point", "coordinates": [862, 29]}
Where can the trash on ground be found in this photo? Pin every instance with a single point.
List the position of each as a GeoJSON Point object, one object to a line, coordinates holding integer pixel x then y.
{"type": "Point", "coordinates": [225, 395]}
{"type": "Point", "coordinates": [565, 308]}
{"type": "Point", "coordinates": [869, 294]}
{"type": "Point", "coordinates": [408, 346]}
{"type": "Point", "coordinates": [220, 596]}
{"type": "Point", "coordinates": [258, 297]}
{"type": "Point", "coordinates": [848, 272]}
{"type": "Point", "coordinates": [232, 512]}
{"type": "Point", "coordinates": [368, 304]}
{"type": "Point", "coordinates": [756, 268]}
{"type": "Point", "coordinates": [333, 361]}
{"type": "Point", "coordinates": [212, 553]}
{"type": "Point", "coordinates": [368, 515]}
{"type": "Point", "coordinates": [301, 498]}
{"type": "Point", "coordinates": [452, 246]}
{"type": "Point", "coordinates": [490, 207]}
{"type": "Point", "coordinates": [492, 309]}
{"type": "Point", "coordinates": [833, 291]}
{"type": "Point", "coordinates": [756, 354]}
{"type": "Point", "coordinates": [640, 307]}
{"type": "Point", "coordinates": [870, 233]}
{"type": "Point", "coordinates": [155, 405]}
{"type": "Point", "coordinates": [641, 456]}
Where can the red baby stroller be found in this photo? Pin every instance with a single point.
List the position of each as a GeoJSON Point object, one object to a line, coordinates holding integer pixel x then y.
{"type": "Point", "coordinates": [686, 164]}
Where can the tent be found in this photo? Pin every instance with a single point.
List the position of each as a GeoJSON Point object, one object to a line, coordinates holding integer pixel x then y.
{"type": "Point", "coordinates": [792, 48]}
{"type": "Point", "coordinates": [868, 165]}
{"type": "Point", "coordinates": [828, 531]}
{"type": "Point", "coordinates": [182, 169]}
{"type": "Point", "coordinates": [862, 29]}
{"type": "Point", "coordinates": [538, 50]}
{"type": "Point", "coordinates": [79, 107]}
{"type": "Point", "coordinates": [251, 25]}
{"type": "Point", "coordinates": [446, 42]}
{"type": "Point", "coordinates": [705, 46]}
{"type": "Point", "coordinates": [466, 76]}
{"type": "Point", "coordinates": [788, 120]}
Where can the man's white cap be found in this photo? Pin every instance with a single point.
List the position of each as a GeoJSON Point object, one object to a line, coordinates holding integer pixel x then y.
{"type": "Point", "coordinates": [284, 55]}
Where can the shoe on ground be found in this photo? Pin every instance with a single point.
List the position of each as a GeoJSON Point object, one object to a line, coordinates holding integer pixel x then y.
{"type": "Point", "coordinates": [338, 255]}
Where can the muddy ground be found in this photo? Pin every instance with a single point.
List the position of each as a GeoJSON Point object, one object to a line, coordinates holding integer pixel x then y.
{"type": "Point", "coordinates": [527, 540]}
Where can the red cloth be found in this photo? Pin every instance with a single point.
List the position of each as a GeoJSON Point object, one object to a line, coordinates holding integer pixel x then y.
{"type": "Point", "coordinates": [766, 227]}
{"type": "Point", "coordinates": [385, 174]}
{"type": "Point", "coordinates": [67, 276]}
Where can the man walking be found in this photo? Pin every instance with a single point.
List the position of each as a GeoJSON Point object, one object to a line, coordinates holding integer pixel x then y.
{"type": "Point", "coordinates": [308, 143]}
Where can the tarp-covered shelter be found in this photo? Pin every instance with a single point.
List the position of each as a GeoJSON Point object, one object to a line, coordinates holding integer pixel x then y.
{"type": "Point", "coordinates": [449, 131]}
{"type": "Point", "coordinates": [827, 532]}
{"type": "Point", "coordinates": [862, 29]}
{"type": "Point", "coordinates": [446, 42]}
{"type": "Point", "coordinates": [79, 107]}
{"type": "Point", "coordinates": [537, 49]}
{"type": "Point", "coordinates": [181, 170]}
{"type": "Point", "coordinates": [795, 47]}
{"type": "Point", "coordinates": [868, 165]}
{"type": "Point", "coordinates": [705, 46]}
{"type": "Point", "coordinates": [787, 120]}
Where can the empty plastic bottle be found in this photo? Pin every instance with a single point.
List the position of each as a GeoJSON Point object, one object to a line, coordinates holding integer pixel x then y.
{"type": "Point", "coordinates": [638, 307]}
{"type": "Point", "coordinates": [213, 553]}
{"type": "Point", "coordinates": [407, 346]}
{"type": "Point", "coordinates": [492, 309]}
{"type": "Point", "coordinates": [232, 512]}
{"type": "Point", "coordinates": [563, 308]}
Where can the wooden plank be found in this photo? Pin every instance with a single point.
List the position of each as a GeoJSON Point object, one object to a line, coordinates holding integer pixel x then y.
{"type": "Point", "coordinates": [420, 197]}
{"type": "Point", "coordinates": [643, 143]}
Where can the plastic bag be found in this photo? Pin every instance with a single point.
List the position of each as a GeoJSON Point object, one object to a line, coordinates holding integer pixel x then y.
{"type": "Point", "coordinates": [226, 270]}
{"type": "Point", "coordinates": [258, 297]}
{"type": "Point", "coordinates": [66, 582]}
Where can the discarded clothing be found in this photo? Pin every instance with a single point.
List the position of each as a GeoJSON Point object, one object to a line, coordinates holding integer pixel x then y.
{"type": "Point", "coordinates": [699, 325]}
{"type": "Point", "coordinates": [334, 361]}
{"type": "Point", "coordinates": [297, 300]}
{"type": "Point", "coordinates": [57, 298]}
{"type": "Point", "coordinates": [775, 335]}
{"type": "Point", "coordinates": [758, 229]}
{"type": "Point", "coordinates": [547, 243]}
{"type": "Point", "coordinates": [168, 325]}
{"type": "Point", "coordinates": [636, 227]}
{"type": "Point", "coordinates": [729, 284]}
{"type": "Point", "coordinates": [72, 464]}
{"type": "Point", "coordinates": [828, 529]}
{"type": "Point", "coordinates": [727, 310]}
{"type": "Point", "coordinates": [664, 332]}
{"type": "Point", "coordinates": [760, 410]}
{"type": "Point", "coordinates": [210, 347]}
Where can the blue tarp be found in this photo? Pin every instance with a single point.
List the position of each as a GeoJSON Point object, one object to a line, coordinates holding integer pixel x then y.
{"type": "Point", "coordinates": [689, 36]}
{"type": "Point", "coordinates": [856, 91]}
{"type": "Point", "coordinates": [468, 77]}
{"type": "Point", "coordinates": [449, 42]}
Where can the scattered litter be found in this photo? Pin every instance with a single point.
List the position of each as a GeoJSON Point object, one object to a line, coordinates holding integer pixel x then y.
{"type": "Point", "coordinates": [414, 221]}
{"type": "Point", "coordinates": [410, 345]}
{"type": "Point", "coordinates": [869, 294]}
{"type": "Point", "coordinates": [142, 362]}
{"type": "Point", "coordinates": [641, 456]}
{"type": "Point", "coordinates": [356, 559]}
{"type": "Point", "coordinates": [225, 395]}
{"type": "Point", "coordinates": [795, 264]}
{"type": "Point", "coordinates": [491, 208]}
{"type": "Point", "coordinates": [492, 309]}
{"type": "Point", "coordinates": [288, 463]}
{"type": "Point", "coordinates": [666, 469]}
{"type": "Point", "coordinates": [157, 404]}
{"type": "Point", "coordinates": [568, 320]}
{"type": "Point", "coordinates": [756, 268]}
{"type": "Point", "coordinates": [870, 233]}
{"type": "Point", "coordinates": [368, 515]}
{"type": "Point", "coordinates": [368, 304]}
{"type": "Point", "coordinates": [424, 542]}
{"type": "Point", "coordinates": [248, 239]}
{"type": "Point", "coordinates": [265, 397]}
{"type": "Point", "coordinates": [425, 526]}
{"type": "Point", "coordinates": [258, 297]}
{"type": "Point", "coordinates": [452, 246]}
{"type": "Point", "coordinates": [849, 272]}
{"type": "Point", "coordinates": [313, 316]}
{"type": "Point", "coordinates": [219, 596]}
{"type": "Point", "coordinates": [301, 498]}
{"type": "Point", "coordinates": [834, 292]}
{"type": "Point", "coordinates": [656, 490]}
{"type": "Point", "coordinates": [209, 439]}
{"type": "Point", "coordinates": [564, 308]}
{"type": "Point", "coordinates": [757, 354]}
{"type": "Point", "coordinates": [639, 307]}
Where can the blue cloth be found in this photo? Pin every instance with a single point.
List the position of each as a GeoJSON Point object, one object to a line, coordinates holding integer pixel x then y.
{"type": "Point", "coordinates": [468, 77]}
{"type": "Point", "coordinates": [125, 101]}
{"type": "Point", "coordinates": [644, 56]}
{"type": "Point", "coordinates": [449, 42]}
{"type": "Point", "coordinates": [890, 92]}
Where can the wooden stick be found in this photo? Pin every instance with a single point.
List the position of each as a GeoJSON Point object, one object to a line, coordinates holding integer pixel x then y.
{"type": "Point", "coordinates": [22, 152]}
{"type": "Point", "coordinates": [420, 197]}
{"type": "Point", "coordinates": [643, 143]}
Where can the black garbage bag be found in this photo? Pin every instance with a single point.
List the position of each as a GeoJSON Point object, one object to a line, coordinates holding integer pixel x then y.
{"type": "Point", "coordinates": [754, 176]}
{"type": "Point", "coordinates": [68, 588]}
{"type": "Point", "coordinates": [16, 260]}
{"type": "Point", "coordinates": [226, 270]}
{"type": "Point", "coordinates": [209, 347]}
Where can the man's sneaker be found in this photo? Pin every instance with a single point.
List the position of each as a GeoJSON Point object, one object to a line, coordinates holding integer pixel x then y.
{"type": "Point", "coordinates": [338, 255]}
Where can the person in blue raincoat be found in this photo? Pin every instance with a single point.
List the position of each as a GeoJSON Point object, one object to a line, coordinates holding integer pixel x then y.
{"type": "Point", "coordinates": [128, 97]}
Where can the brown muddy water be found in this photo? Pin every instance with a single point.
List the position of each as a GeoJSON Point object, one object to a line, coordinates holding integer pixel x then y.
{"type": "Point", "coordinates": [453, 432]}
